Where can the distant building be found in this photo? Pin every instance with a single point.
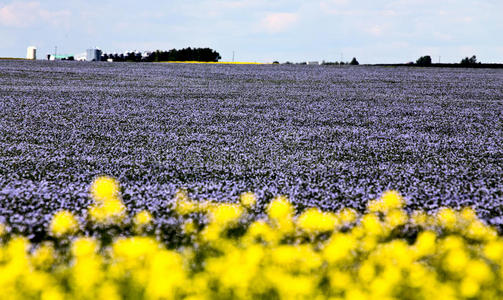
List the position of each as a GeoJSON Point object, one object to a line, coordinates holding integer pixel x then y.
{"type": "Point", "coordinates": [61, 57]}
{"type": "Point", "coordinates": [31, 53]}
{"type": "Point", "coordinates": [316, 63]}
{"type": "Point", "coordinates": [93, 54]}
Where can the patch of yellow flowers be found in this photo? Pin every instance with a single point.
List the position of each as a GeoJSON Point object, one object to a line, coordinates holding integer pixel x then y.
{"type": "Point", "coordinates": [385, 253]}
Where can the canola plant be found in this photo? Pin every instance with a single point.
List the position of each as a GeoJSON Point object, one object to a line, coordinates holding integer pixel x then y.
{"type": "Point", "coordinates": [383, 253]}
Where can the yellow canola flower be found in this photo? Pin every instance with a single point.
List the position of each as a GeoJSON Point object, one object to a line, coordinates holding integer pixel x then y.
{"type": "Point", "coordinates": [494, 251]}
{"type": "Point", "coordinates": [44, 256]}
{"type": "Point", "coordinates": [184, 207]}
{"type": "Point", "coordinates": [204, 206]}
{"type": "Point", "coordinates": [446, 217]}
{"type": "Point", "coordinates": [35, 282]}
{"type": "Point", "coordinates": [356, 294]}
{"type": "Point", "coordinates": [421, 276]}
{"type": "Point", "coordinates": [347, 215]}
{"type": "Point", "coordinates": [248, 199]}
{"type": "Point", "coordinates": [165, 276]}
{"type": "Point", "coordinates": [367, 271]}
{"type": "Point", "coordinates": [52, 293]}
{"type": "Point", "coordinates": [224, 214]}
{"type": "Point", "coordinates": [296, 258]}
{"type": "Point", "coordinates": [86, 273]}
{"type": "Point", "coordinates": [280, 212]}
{"type": "Point", "coordinates": [189, 227]}
{"type": "Point", "coordinates": [339, 248]}
{"type": "Point", "coordinates": [375, 206]}
{"type": "Point", "coordinates": [368, 243]}
{"type": "Point", "coordinates": [452, 242]}
{"type": "Point", "coordinates": [372, 225]}
{"type": "Point", "coordinates": [455, 261]}
{"type": "Point", "coordinates": [109, 212]}
{"type": "Point", "coordinates": [16, 251]}
{"type": "Point", "coordinates": [478, 271]}
{"type": "Point", "coordinates": [467, 214]}
{"type": "Point", "coordinates": [394, 253]}
{"type": "Point", "coordinates": [382, 286]}
{"type": "Point", "coordinates": [479, 231]}
{"type": "Point", "coordinates": [104, 188]}
{"type": "Point", "coordinates": [280, 209]}
{"type": "Point", "coordinates": [314, 220]}
{"type": "Point", "coordinates": [134, 249]}
{"type": "Point", "coordinates": [392, 200]}
{"type": "Point", "coordinates": [63, 223]}
{"type": "Point", "coordinates": [396, 217]}
{"type": "Point", "coordinates": [469, 288]}
{"type": "Point", "coordinates": [142, 218]}
{"type": "Point", "coordinates": [109, 291]}
{"type": "Point", "coordinates": [420, 218]}
{"type": "Point", "coordinates": [290, 286]}
{"type": "Point", "coordinates": [339, 280]}
{"type": "Point", "coordinates": [237, 268]}
{"type": "Point", "coordinates": [84, 247]}
{"type": "Point", "coordinates": [425, 243]}
{"type": "Point", "coordinates": [261, 231]}
{"type": "Point", "coordinates": [211, 233]}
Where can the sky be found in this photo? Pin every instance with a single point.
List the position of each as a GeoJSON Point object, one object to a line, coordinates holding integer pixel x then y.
{"type": "Point", "coordinates": [373, 31]}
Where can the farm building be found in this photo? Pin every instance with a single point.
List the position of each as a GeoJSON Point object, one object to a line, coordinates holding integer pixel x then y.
{"type": "Point", "coordinates": [60, 57]}
{"type": "Point", "coordinates": [31, 53]}
{"type": "Point", "coordinates": [93, 54]}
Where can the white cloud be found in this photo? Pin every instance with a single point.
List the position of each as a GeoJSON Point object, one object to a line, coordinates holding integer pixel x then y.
{"type": "Point", "coordinates": [278, 22]}
{"type": "Point", "coordinates": [26, 14]}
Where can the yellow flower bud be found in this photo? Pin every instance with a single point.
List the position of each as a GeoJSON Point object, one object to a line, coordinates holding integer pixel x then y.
{"type": "Point", "coordinates": [63, 223]}
{"type": "Point", "coordinates": [248, 199]}
{"type": "Point", "coordinates": [142, 218]}
{"type": "Point", "coordinates": [104, 188]}
{"type": "Point", "coordinates": [392, 200]}
{"type": "Point", "coordinates": [280, 208]}
{"type": "Point", "coordinates": [313, 220]}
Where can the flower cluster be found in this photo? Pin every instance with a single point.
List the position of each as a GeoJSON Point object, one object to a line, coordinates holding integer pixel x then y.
{"type": "Point", "coordinates": [383, 253]}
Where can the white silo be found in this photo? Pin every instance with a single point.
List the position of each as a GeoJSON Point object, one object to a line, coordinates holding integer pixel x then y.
{"type": "Point", "coordinates": [31, 53]}
{"type": "Point", "coordinates": [93, 54]}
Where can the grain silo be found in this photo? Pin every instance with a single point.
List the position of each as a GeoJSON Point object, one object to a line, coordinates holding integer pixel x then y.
{"type": "Point", "coordinates": [93, 54]}
{"type": "Point", "coordinates": [31, 53]}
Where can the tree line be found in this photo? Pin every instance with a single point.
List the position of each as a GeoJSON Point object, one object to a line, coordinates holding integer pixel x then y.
{"type": "Point", "coordinates": [185, 54]}
{"type": "Point", "coordinates": [425, 61]}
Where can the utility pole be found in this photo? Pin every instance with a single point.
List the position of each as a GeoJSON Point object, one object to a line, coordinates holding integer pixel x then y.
{"type": "Point", "coordinates": [232, 56]}
{"type": "Point", "coordinates": [55, 51]}
{"type": "Point", "coordinates": [439, 58]}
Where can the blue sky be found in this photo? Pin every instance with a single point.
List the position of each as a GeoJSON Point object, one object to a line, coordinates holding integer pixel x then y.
{"type": "Point", "coordinates": [386, 31]}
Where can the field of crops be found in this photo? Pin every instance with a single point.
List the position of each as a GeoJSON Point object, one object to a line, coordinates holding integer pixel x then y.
{"type": "Point", "coordinates": [324, 136]}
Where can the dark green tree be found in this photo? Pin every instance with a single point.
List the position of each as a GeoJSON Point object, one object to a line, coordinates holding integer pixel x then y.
{"type": "Point", "coordinates": [424, 61]}
{"type": "Point", "coordinates": [469, 61]}
{"type": "Point", "coordinates": [185, 54]}
{"type": "Point", "coordinates": [354, 62]}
